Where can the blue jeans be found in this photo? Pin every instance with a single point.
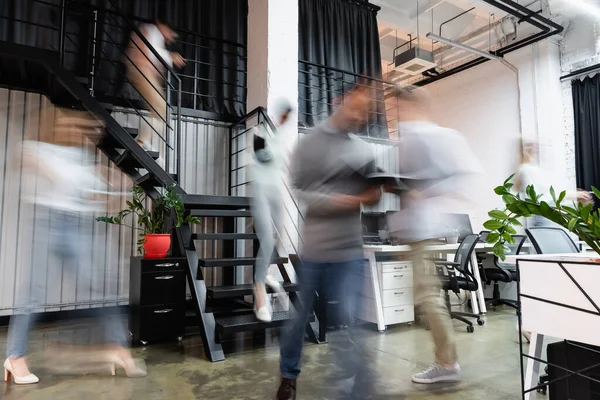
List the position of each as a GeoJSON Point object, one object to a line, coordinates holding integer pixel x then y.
{"type": "Point", "coordinates": [70, 244]}
{"type": "Point", "coordinates": [338, 279]}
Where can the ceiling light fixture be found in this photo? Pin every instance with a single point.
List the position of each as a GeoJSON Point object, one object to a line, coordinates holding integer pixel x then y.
{"type": "Point", "coordinates": [461, 46]}
{"type": "Point", "coordinates": [586, 7]}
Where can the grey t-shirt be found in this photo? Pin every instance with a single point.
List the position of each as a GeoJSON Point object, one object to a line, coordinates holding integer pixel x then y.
{"type": "Point", "coordinates": [326, 163]}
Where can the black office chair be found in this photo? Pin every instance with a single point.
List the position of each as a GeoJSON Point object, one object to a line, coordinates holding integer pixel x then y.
{"type": "Point", "coordinates": [503, 272]}
{"type": "Point", "coordinates": [547, 240]}
{"type": "Point", "coordinates": [455, 283]}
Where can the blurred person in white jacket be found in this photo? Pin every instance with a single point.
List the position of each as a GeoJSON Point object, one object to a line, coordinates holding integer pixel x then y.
{"type": "Point", "coordinates": [438, 164]}
{"type": "Point", "coordinates": [67, 192]}
{"type": "Point", "coordinates": [266, 159]}
{"type": "Point", "coordinates": [531, 173]}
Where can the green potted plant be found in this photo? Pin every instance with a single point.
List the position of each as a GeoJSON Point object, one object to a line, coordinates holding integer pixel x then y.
{"type": "Point", "coordinates": [154, 224]}
{"type": "Point", "coordinates": [581, 219]}
{"type": "Point", "coordinates": [452, 235]}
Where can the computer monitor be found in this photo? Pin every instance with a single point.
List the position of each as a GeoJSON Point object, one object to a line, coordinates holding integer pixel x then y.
{"type": "Point", "coordinates": [462, 222]}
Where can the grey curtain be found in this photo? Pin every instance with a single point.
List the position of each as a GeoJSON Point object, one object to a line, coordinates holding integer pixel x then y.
{"type": "Point", "coordinates": [338, 41]}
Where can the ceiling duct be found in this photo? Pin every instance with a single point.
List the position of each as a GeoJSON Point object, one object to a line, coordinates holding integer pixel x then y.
{"type": "Point", "coordinates": [414, 61]}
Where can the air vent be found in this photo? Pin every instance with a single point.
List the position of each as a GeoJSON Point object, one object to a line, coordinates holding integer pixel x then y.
{"type": "Point", "coordinates": [414, 61]}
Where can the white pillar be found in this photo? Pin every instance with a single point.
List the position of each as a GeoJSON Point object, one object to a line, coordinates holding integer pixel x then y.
{"type": "Point", "coordinates": [272, 52]}
{"type": "Point", "coordinates": [273, 75]}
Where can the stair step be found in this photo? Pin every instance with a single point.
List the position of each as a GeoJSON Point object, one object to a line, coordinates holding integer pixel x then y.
{"type": "Point", "coordinates": [132, 131]}
{"type": "Point", "coordinates": [224, 236]}
{"type": "Point", "coordinates": [126, 161]}
{"type": "Point", "coordinates": [220, 213]}
{"type": "Point", "coordinates": [231, 262]}
{"type": "Point", "coordinates": [221, 292]}
{"type": "Point", "coordinates": [149, 181]}
{"type": "Point", "coordinates": [195, 201]}
{"type": "Point", "coordinates": [248, 322]}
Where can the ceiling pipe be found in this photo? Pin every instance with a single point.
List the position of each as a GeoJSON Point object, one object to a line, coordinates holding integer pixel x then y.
{"type": "Point", "coordinates": [550, 29]}
{"type": "Point", "coordinates": [461, 46]}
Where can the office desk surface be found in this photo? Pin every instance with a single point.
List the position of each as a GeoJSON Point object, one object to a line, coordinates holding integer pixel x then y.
{"type": "Point", "coordinates": [442, 248]}
{"type": "Point", "coordinates": [575, 257]}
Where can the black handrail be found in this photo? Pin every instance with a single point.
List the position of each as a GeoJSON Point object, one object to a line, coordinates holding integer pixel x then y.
{"type": "Point", "coordinates": [368, 78]}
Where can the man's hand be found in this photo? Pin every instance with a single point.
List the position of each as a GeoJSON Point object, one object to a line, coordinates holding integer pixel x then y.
{"type": "Point", "coordinates": [349, 202]}
{"type": "Point", "coordinates": [371, 196]}
{"type": "Point", "coordinates": [178, 60]}
{"type": "Point", "coordinates": [584, 197]}
{"type": "Point", "coordinates": [345, 202]}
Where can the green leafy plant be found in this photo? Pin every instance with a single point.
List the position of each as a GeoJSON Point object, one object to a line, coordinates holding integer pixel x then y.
{"type": "Point", "coordinates": [578, 218]}
{"type": "Point", "coordinates": [154, 220]}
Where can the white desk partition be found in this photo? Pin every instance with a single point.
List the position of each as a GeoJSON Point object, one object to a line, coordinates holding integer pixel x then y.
{"type": "Point", "coordinates": [559, 298]}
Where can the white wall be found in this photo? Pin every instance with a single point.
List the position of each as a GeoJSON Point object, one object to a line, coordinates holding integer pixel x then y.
{"type": "Point", "coordinates": [482, 103]}
{"type": "Point", "coordinates": [494, 108]}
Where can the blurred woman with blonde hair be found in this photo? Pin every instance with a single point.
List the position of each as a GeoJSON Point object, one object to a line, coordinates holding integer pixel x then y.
{"type": "Point", "coordinates": [66, 195]}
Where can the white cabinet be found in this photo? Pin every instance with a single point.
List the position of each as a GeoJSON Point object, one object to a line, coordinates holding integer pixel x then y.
{"type": "Point", "coordinates": [388, 286]}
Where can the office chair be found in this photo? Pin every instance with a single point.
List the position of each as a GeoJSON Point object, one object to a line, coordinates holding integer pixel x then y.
{"type": "Point", "coordinates": [503, 272]}
{"type": "Point", "coordinates": [548, 240]}
{"type": "Point", "coordinates": [452, 282]}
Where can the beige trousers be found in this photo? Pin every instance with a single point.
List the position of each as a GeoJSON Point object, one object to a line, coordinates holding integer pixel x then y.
{"type": "Point", "coordinates": [148, 84]}
{"type": "Point", "coordinates": [427, 297]}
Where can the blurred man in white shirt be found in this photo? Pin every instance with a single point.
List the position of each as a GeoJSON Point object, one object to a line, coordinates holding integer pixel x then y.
{"type": "Point", "coordinates": [438, 162]}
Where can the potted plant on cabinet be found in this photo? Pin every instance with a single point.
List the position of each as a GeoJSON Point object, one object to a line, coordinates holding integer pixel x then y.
{"type": "Point", "coordinates": [581, 219]}
{"type": "Point", "coordinates": [154, 223]}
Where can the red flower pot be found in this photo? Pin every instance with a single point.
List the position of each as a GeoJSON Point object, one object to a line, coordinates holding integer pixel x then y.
{"type": "Point", "coordinates": [156, 245]}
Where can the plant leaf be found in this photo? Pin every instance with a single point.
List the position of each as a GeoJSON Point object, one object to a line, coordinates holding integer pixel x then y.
{"type": "Point", "coordinates": [497, 214]}
{"type": "Point", "coordinates": [509, 179]}
{"type": "Point", "coordinates": [515, 222]}
{"type": "Point", "coordinates": [500, 190]}
{"type": "Point", "coordinates": [572, 223]}
{"type": "Point", "coordinates": [498, 250]}
{"type": "Point", "coordinates": [562, 196]}
{"type": "Point", "coordinates": [492, 225]}
{"type": "Point", "coordinates": [493, 238]}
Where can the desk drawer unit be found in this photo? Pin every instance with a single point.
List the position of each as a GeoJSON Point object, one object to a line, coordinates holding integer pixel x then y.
{"type": "Point", "coordinates": [402, 266]}
{"type": "Point", "coordinates": [397, 280]}
{"type": "Point", "coordinates": [397, 297]}
{"type": "Point", "coordinates": [399, 314]}
{"type": "Point", "coordinates": [162, 288]}
{"type": "Point", "coordinates": [157, 299]}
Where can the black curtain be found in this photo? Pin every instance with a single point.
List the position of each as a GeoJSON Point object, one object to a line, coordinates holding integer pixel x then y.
{"type": "Point", "coordinates": [586, 106]}
{"type": "Point", "coordinates": [212, 36]}
{"type": "Point", "coordinates": [339, 34]}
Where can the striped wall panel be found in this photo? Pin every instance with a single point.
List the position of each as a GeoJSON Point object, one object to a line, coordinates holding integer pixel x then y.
{"type": "Point", "coordinates": [204, 170]}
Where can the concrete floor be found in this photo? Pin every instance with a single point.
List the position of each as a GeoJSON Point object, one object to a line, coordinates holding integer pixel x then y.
{"type": "Point", "coordinates": [489, 360]}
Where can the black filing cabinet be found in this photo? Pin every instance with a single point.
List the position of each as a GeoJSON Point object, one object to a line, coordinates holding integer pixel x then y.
{"type": "Point", "coordinates": [157, 299]}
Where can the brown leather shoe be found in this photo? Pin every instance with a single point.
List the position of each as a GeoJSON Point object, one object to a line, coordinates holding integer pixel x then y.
{"type": "Point", "coordinates": [287, 390]}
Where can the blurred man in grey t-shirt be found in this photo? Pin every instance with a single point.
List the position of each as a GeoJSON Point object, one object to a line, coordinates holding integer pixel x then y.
{"type": "Point", "coordinates": [329, 170]}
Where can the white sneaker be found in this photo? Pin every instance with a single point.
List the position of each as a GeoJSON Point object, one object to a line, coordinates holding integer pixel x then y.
{"type": "Point", "coordinates": [263, 313]}
{"type": "Point", "coordinates": [282, 296]}
{"type": "Point", "coordinates": [436, 374]}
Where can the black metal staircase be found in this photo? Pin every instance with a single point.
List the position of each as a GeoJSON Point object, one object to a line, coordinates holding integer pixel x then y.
{"type": "Point", "coordinates": [211, 304]}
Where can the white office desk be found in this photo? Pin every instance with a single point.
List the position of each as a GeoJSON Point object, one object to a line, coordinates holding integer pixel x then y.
{"type": "Point", "coordinates": [559, 298]}
{"type": "Point", "coordinates": [376, 274]}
